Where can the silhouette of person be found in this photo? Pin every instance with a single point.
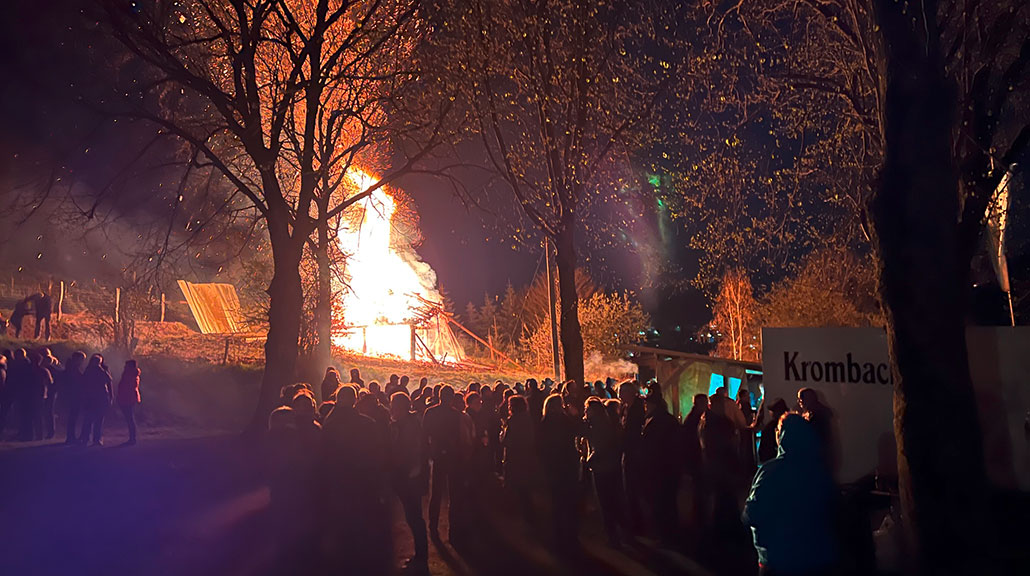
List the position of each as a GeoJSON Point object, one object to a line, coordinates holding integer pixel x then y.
{"type": "Point", "coordinates": [747, 436]}
{"type": "Point", "coordinates": [44, 307]}
{"type": "Point", "coordinates": [289, 470]}
{"type": "Point", "coordinates": [19, 377]}
{"type": "Point", "coordinates": [71, 390]}
{"type": "Point", "coordinates": [5, 404]}
{"type": "Point", "coordinates": [442, 427]}
{"type": "Point", "coordinates": [604, 459]}
{"type": "Point", "coordinates": [535, 395]}
{"type": "Point", "coordinates": [518, 439]}
{"type": "Point", "coordinates": [408, 472]}
{"type": "Point", "coordinates": [97, 394]}
{"type": "Point", "coordinates": [330, 383]}
{"type": "Point", "coordinates": [767, 445]}
{"type": "Point", "coordinates": [823, 421]}
{"type": "Point", "coordinates": [659, 441]}
{"type": "Point", "coordinates": [308, 427]}
{"type": "Point", "coordinates": [324, 409]}
{"type": "Point", "coordinates": [720, 443]}
{"type": "Point", "coordinates": [693, 461]}
{"type": "Point", "coordinates": [355, 378]}
{"type": "Point", "coordinates": [559, 459]}
{"type": "Point", "coordinates": [21, 309]}
{"type": "Point", "coordinates": [691, 441]}
{"type": "Point", "coordinates": [791, 506]}
{"type": "Point", "coordinates": [632, 456]}
{"type": "Point", "coordinates": [34, 398]}
{"type": "Point", "coordinates": [392, 385]}
{"type": "Point", "coordinates": [129, 397]}
{"type": "Point", "coordinates": [51, 365]}
{"type": "Point", "coordinates": [354, 455]}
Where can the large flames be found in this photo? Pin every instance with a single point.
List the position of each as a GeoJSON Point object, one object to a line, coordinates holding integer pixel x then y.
{"type": "Point", "coordinates": [389, 305]}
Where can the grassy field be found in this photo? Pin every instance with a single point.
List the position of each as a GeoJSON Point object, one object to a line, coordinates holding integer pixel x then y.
{"type": "Point", "coordinates": [187, 388]}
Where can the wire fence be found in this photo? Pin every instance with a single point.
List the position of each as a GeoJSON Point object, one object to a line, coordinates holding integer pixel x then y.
{"type": "Point", "coordinates": [142, 321]}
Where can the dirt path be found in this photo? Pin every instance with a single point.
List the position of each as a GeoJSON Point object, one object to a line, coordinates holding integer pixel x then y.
{"type": "Point", "coordinates": [196, 507]}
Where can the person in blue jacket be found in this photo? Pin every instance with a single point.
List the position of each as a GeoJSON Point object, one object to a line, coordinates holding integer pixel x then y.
{"type": "Point", "coordinates": [791, 508]}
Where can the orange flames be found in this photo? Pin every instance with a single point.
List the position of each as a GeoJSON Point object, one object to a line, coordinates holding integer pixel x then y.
{"type": "Point", "coordinates": [383, 303]}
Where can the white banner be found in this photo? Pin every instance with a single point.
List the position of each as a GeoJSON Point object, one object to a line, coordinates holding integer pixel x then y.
{"type": "Point", "coordinates": [850, 371]}
{"type": "Point", "coordinates": [1000, 366]}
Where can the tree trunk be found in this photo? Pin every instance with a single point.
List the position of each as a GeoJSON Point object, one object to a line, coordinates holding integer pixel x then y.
{"type": "Point", "coordinates": [285, 304]}
{"type": "Point", "coordinates": [923, 280]}
{"type": "Point", "coordinates": [324, 301]}
{"type": "Point", "coordinates": [571, 338]}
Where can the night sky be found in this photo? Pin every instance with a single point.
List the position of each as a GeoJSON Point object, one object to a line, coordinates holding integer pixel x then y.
{"type": "Point", "coordinates": [472, 249]}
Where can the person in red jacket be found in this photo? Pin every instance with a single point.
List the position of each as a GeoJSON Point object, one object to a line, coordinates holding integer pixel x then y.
{"type": "Point", "coordinates": [128, 397]}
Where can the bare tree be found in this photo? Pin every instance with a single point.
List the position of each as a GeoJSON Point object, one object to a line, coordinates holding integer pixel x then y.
{"type": "Point", "coordinates": [778, 146]}
{"type": "Point", "coordinates": [909, 113]}
{"type": "Point", "coordinates": [554, 89]}
{"type": "Point", "coordinates": [734, 317]}
{"type": "Point", "coordinates": [280, 97]}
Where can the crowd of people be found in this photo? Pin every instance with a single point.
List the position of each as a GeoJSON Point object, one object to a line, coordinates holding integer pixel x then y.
{"type": "Point", "coordinates": [32, 382]}
{"type": "Point", "coordinates": [548, 446]}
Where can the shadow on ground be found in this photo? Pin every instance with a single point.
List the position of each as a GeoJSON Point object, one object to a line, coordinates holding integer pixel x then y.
{"type": "Point", "coordinates": [198, 507]}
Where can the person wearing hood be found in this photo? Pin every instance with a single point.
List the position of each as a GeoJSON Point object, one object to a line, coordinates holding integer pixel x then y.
{"type": "Point", "coordinates": [791, 506]}
{"type": "Point", "coordinates": [330, 384]}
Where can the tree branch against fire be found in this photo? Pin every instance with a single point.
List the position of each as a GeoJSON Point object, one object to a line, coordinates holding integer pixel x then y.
{"type": "Point", "coordinates": [553, 91]}
{"type": "Point", "coordinates": [282, 97]}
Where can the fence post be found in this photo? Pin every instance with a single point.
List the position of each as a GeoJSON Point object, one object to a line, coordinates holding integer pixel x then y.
{"type": "Point", "coordinates": [117, 303]}
{"type": "Point", "coordinates": [162, 306]}
{"type": "Point", "coordinates": [225, 357]}
{"type": "Point", "coordinates": [60, 302]}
